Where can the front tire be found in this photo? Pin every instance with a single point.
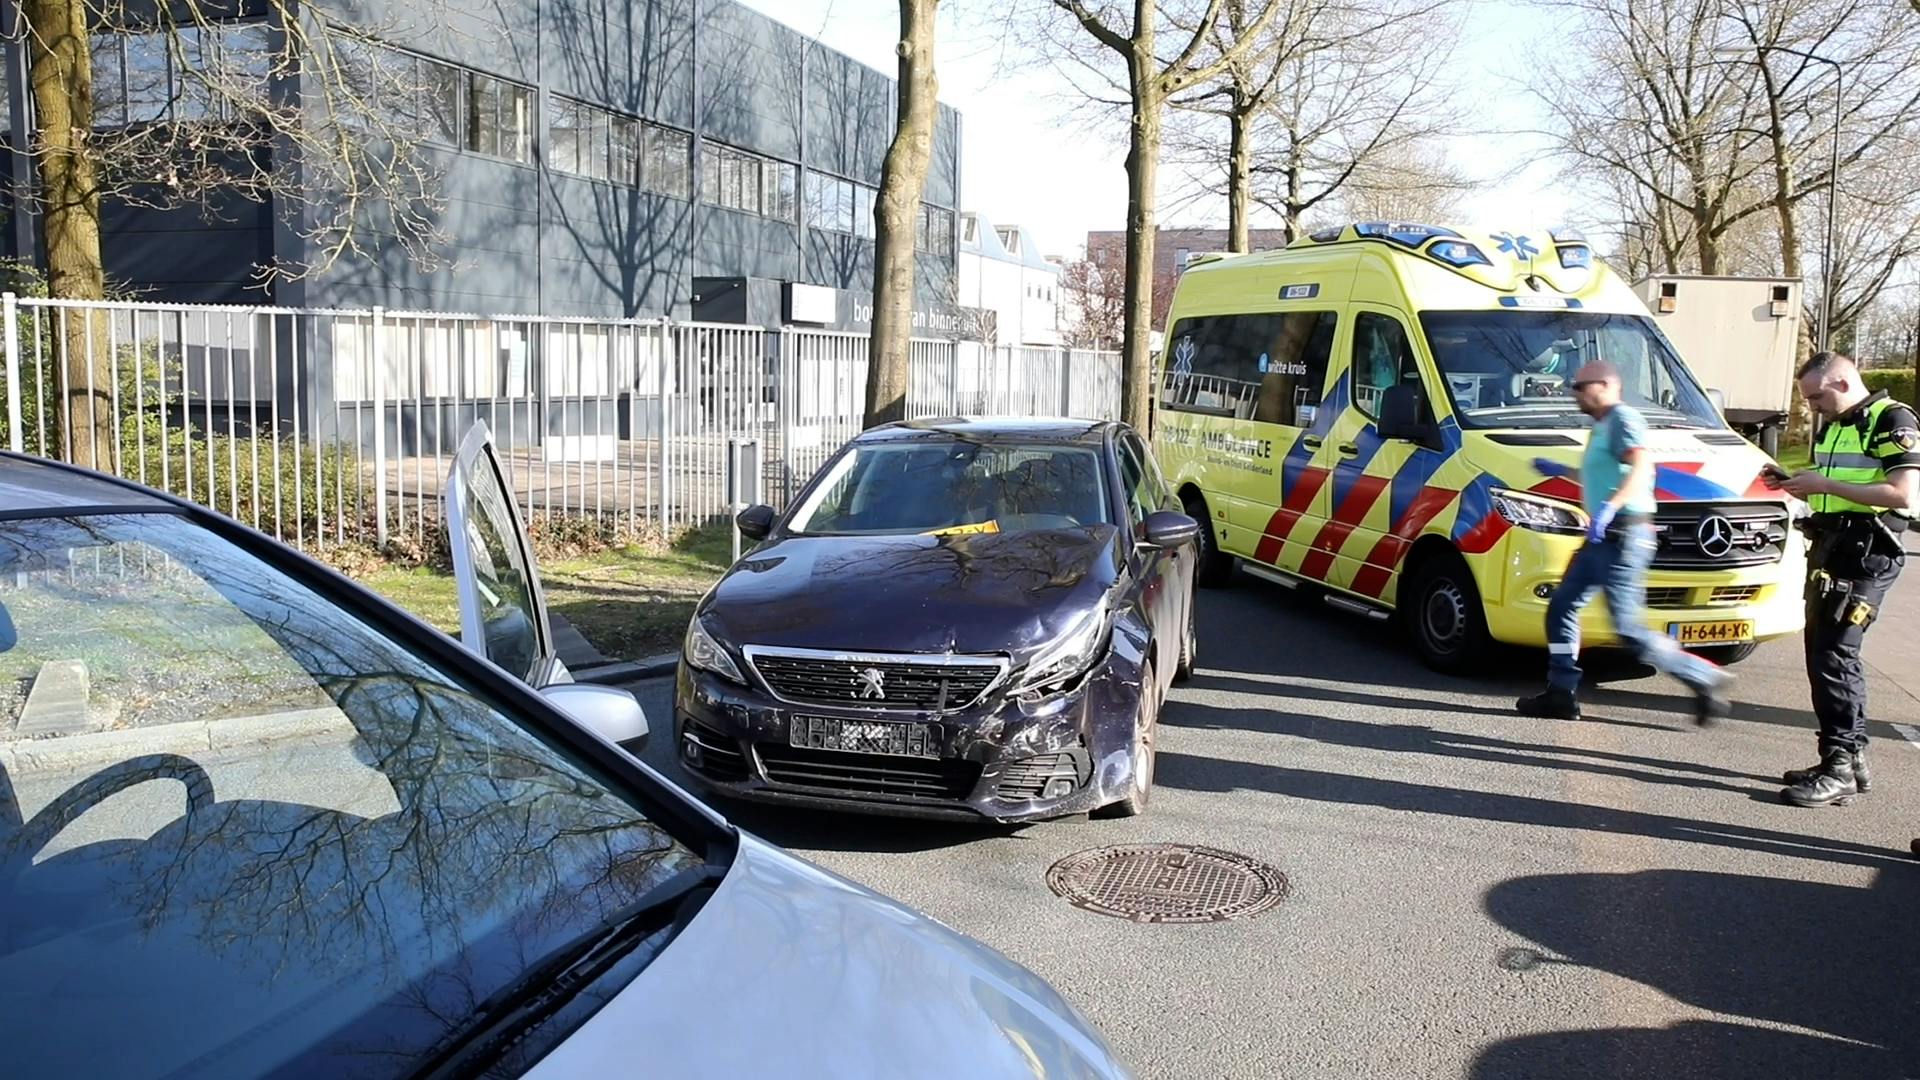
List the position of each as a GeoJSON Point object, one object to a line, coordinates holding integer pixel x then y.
{"type": "Point", "coordinates": [1726, 655]}
{"type": "Point", "coordinates": [1443, 613]}
{"type": "Point", "coordinates": [1215, 567]}
{"type": "Point", "coordinates": [1140, 775]}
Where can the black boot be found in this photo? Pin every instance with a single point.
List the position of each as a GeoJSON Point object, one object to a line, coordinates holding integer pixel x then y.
{"type": "Point", "coordinates": [1832, 785]}
{"type": "Point", "coordinates": [1553, 704]}
{"type": "Point", "coordinates": [1711, 705]}
{"type": "Point", "coordinates": [1862, 779]}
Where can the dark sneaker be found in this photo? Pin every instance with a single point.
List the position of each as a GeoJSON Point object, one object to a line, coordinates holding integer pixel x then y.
{"type": "Point", "coordinates": [1711, 705]}
{"type": "Point", "coordinates": [1915, 848]}
{"type": "Point", "coordinates": [1550, 705]}
{"type": "Point", "coordinates": [1832, 785]}
{"type": "Point", "coordinates": [1862, 779]}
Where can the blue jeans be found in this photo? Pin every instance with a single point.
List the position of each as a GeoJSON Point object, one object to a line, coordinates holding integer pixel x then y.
{"type": "Point", "coordinates": [1618, 567]}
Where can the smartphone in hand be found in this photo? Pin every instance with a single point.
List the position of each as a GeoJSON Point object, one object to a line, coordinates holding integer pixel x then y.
{"type": "Point", "coordinates": [1773, 475]}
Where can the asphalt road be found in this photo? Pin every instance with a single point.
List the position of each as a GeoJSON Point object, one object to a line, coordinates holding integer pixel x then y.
{"type": "Point", "coordinates": [1473, 894]}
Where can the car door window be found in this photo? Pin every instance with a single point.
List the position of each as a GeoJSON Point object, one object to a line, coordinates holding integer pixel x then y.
{"type": "Point", "coordinates": [502, 614]}
{"type": "Point", "coordinates": [1268, 367]}
{"type": "Point", "coordinates": [1138, 483]}
{"type": "Point", "coordinates": [1382, 359]}
{"type": "Point", "coordinates": [1153, 486]}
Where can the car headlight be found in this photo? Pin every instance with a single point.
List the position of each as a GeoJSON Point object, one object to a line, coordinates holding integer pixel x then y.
{"type": "Point", "coordinates": [1069, 657]}
{"type": "Point", "coordinates": [705, 653]}
{"type": "Point", "coordinates": [1540, 514]}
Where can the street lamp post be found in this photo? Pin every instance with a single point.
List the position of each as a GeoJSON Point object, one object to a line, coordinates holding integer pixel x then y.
{"type": "Point", "coordinates": [1833, 174]}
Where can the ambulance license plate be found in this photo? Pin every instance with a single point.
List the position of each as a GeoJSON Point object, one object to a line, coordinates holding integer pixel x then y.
{"type": "Point", "coordinates": [1720, 632]}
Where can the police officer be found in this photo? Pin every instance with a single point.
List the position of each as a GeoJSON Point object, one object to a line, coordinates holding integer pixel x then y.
{"type": "Point", "coordinates": [1864, 483]}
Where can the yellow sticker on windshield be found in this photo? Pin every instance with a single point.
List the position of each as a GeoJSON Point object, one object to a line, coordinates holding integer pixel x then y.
{"type": "Point", "coordinates": [963, 530]}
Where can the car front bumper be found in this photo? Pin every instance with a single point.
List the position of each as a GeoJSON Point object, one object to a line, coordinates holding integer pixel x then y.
{"type": "Point", "coordinates": [1004, 760]}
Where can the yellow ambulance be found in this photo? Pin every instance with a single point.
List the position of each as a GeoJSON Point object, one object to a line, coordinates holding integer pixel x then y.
{"type": "Point", "coordinates": [1385, 411]}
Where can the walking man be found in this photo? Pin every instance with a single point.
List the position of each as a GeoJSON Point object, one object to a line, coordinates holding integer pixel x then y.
{"type": "Point", "coordinates": [1616, 489]}
{"type": "Point", "coordinates": [1864, 483]}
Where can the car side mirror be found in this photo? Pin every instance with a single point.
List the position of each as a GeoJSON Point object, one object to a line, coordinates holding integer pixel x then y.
{"type": "Point", "coordinates": [1167, 529]}
{"type": "Point", "coordinates": [755, 522]}
{"type": "Point", "coordinates": [608, 711]}
{"type": "Point", "coordinates": [1403, 416]}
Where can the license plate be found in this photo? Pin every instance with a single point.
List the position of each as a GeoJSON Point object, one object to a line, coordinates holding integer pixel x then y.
{"type": "Point", "coordinates": [1721, 632]}
{"type": "Point", "coordinates": [864, 736]}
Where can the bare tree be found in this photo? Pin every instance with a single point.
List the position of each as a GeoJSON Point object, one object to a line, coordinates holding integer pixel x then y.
{"type": "Point", "coordinates": [1340, 102]}
{"type": "Point", "coordinates": [1129, 36]}
{"type": "Point", "coordinates": [903, 178]}
{"type": "Point", "coordinates": [177, 105]}
{"type": "Point", "coordinates": [1094, 289]}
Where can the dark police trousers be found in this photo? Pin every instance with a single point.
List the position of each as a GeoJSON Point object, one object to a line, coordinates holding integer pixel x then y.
{"type": "Point", "coordinates": [1835, 629]}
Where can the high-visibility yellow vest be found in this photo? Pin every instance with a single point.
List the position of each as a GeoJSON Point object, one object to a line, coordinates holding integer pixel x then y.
{"type": "Point", "coordinates": [1846, 452]}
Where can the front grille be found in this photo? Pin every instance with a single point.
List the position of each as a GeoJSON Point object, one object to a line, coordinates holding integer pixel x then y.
{"type": "Point", "coordinates": [1758, 531]}
{"type": "Point", "coordinates": [869, 774]}
{"type": "Point", "coordinates": [1736, 594]}
{"type": "Point", "coordinates": [716, 757]}
{"type": "Point", "coordinates": [1668, 598]}
{"type": "Point", "coordinates": [877, 683]}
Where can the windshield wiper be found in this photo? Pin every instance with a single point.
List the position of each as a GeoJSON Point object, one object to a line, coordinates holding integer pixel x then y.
{"type": "Point", "coordinates": [530, 1000]}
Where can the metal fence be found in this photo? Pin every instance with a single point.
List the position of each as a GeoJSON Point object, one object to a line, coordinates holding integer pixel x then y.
{"type": "Point", "coordinates": [335, 426]}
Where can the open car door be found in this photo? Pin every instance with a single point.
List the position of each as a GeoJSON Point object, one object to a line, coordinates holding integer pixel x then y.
{"type": "Point", "coordinates": [503, 614]}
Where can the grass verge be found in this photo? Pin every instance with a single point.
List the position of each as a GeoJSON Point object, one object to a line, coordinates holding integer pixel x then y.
{"type": "Point", "coordinates": [630, 602]}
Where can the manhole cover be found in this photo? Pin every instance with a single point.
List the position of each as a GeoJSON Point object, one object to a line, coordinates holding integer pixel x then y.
{"type": "Point", "coordinates": [1167, 883]}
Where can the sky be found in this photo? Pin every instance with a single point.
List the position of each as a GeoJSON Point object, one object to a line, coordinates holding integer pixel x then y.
{"type": "Point", "coordinates": [1027, 160]}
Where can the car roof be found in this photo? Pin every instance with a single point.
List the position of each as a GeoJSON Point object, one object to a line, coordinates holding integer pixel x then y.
{"type": "Point", "coordinates": [29, 485]}
{"type": "Point", "coordinates": [998, 429]}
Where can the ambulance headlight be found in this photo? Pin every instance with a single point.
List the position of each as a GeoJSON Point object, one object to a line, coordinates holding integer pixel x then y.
{"type": "Point", "coordinates": [1540, 514]}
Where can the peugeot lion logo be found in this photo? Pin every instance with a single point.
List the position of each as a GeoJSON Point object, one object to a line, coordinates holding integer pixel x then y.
{"type": "Point", "coordinates": [873, 684]}
{"type": "Point", "coordinates": [1715, 534]}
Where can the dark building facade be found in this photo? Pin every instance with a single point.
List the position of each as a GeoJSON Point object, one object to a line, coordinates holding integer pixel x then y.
{"type": "Point", "coordinates": [600, 159]}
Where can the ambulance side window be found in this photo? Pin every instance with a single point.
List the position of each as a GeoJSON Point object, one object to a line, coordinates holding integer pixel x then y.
{"type": "Point", "coordinates": [1382, 359]}
{"type": "Point", "coordinates": [1269, 368]}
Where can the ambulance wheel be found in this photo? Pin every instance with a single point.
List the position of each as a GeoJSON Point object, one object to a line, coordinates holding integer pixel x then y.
{"type": "Point", "coordinates": [1215, 567]}
{"type": "Point", "coordinates": [1726, 655]}
{"type": "Point", "coordinates": [1442, 611]}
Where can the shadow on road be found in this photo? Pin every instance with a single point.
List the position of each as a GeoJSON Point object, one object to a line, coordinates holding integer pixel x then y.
{"type": "Point", "coordinates": [1195, 773]}
{"type": "Point", "coordinates": [1421, 739]}
{"type": "Point", "coordinates": [1829, 959]}
{"type": "Point", "coordinates": [808, 829]}
{"type": "Point", "coordinates": [1696, 1049]}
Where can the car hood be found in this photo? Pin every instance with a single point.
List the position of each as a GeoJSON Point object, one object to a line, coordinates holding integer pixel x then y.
{"type": "Point", "coordinates": [1689, 465]}
{"type": "Point", "coordinates": [792, 971]}
{"type": "Point", "coordinates": [978, 593]}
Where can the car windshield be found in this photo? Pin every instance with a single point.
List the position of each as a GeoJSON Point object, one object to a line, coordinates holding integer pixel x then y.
{"type": "Point", "coordinates": [243, 832]}
{"type": "Point", "coordinates": [1515, 368]}
{"type": "Point", "coordinates": [950, 486]}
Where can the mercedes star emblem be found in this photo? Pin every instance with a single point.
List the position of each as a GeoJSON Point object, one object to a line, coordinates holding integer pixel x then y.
{"type": "Point", "coordinates": [873, 684]}
{"type": "Point", "coordinates": [1715, 534]}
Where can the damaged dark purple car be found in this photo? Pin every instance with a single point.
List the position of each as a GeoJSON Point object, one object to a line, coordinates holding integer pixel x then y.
{"type": "Point", "coordinates": [955, 618]}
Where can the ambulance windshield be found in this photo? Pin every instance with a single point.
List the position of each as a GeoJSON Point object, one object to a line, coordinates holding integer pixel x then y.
{"type": "Point", "coordinates": [1515, 368]}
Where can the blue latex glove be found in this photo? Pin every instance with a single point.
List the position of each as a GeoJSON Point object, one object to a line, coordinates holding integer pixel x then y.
{"type": "Point", "coordinates": [1603, 517]}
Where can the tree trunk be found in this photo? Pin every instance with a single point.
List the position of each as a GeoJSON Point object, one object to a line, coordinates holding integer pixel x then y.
{"type": "Point", "coordinates": [903, 179]}
{"type": "Point", "coordinates": [58, 51]}
{"type": "Point", "coordinates": [1143, 164]}
{"type": "Point", "coordinates": [1239, 178]}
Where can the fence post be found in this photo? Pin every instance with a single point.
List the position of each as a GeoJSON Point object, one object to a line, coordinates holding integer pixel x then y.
{"type": "Point", "coordinates": [11, 305]}
{"type": "Point", "coordinates": [378, 352]}
{"type": "Point", "coordinates": [783, 398]}
{"type": "Point", "coordinates": [669, 356]}
{"type": "Point", "coordinates": [1066, 380]}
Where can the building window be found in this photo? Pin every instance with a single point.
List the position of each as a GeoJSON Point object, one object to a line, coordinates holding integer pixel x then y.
{"type": "Point", "coordinates": [217, 73]}
{"type": "Point", "coordinates": [935, 233]}
{"type": "Point", "coordinates": [669, 164]}
{"type": "Point", "coordinates": [737, 180]}
{"type": "Point", "coordinates": [499, 119]}
{"type": "Point", "coordinates": [838, 205]}
{"type": "Point", "coordinates": [587, 140]}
